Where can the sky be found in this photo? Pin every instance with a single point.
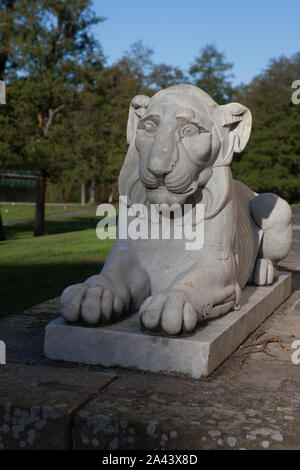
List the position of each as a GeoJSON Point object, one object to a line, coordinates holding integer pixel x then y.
{"type": "Point", "coordinates": [249, 32]}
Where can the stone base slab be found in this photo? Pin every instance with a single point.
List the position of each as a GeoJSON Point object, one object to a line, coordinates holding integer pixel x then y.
{"type": "Point", "coordinates": [124, 345]}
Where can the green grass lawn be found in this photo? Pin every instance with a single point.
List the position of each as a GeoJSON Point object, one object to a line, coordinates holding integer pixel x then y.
{"type": "Point", "coordinates": [36, 269]}
{"type": "Point", "coordinates": [65, 224]}
{"type": "Point", "coordinates": [15, 211]}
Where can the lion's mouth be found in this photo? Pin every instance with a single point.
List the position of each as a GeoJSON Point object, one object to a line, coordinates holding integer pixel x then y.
{"type": "Point", "coordinates": [179, 185]}
{"type": "Point", "coordinates": [161, 195]}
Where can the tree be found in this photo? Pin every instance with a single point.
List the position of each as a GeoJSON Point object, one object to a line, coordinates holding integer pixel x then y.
{"type": "Point", "coordinates": [116, 88]}
{"type": "Point", "coordinates": [53, 50]}
{"type": "Point", "coordinates": [271, 160]}
{"type": "Point", "coordinates": [121, 87]}
{"type": "Point", "coordinates": [137, 62]}
{"type": "Point", "coordinates": [163, 76]}
{"type": "Point", "coordinates": [6, 33]}
{"type": "Point", "coordinates": [89, 131]}
{"type": "Point", "coordinates": [212, 73]}
{"type": "Point", "coordinates": [84, 144]}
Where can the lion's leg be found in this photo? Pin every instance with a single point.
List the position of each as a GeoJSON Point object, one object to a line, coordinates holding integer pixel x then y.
{"type": "Point", "coordinates": [203, 294]}
{"type": "Point", "coordinates": [121, 287]}
{"type": "Point", "coordinates": [273, 215]}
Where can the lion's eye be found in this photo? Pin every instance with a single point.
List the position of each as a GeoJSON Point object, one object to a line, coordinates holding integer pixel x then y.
{"type": "Point", "coordinates": [189, 131]}
{"type": "Point", "coordinates": [150, 127]}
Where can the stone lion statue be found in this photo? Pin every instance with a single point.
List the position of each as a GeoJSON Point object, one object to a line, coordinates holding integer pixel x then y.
{"type": "Point", "coordinates": [181, 143]}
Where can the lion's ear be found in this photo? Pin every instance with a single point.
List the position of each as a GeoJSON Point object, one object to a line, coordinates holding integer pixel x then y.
{"type": "Point", "coordinates": [237, 118]}
{"type": "Point", "coordinates": [137, 108]}
{"type": "Point", "coordinates": [129, 181]}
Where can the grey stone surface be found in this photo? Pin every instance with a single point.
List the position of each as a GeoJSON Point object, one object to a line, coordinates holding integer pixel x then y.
{"type": "Point", "coordinates": [164, 413]}
{"type": "Point", "coordinates": [124, 345]}
{"type": "Point", "coordinates": [23, 332]}
{"type": "Point", "coordinates": [181, 144]}
{"type": "Point", "coordinates": [37, 404]}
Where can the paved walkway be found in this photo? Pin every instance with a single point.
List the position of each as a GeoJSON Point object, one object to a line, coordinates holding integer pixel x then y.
{"type": "Point", "coordinates": [251, 401]}
{"type": "Point", "coordinates": [49, 217]}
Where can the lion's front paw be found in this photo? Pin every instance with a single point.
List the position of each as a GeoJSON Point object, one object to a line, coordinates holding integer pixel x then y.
{"type": "Point", "coordinates": [170, 313]}
{"type": "Point", "coordinates": [95, 301]}
{"type": "Point", "coordinates": [264, 272]}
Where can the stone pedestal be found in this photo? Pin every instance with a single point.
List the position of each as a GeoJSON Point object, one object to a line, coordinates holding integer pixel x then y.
{"type": "Point", "coordinates": [125, 345]}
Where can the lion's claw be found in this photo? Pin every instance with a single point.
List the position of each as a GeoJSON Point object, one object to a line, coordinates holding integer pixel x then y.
{"type": "Point", "coordinates": [169, 313]}
{"type": "Point", "coordinates": [264, 272]}
{"type": "Point", "coordinates": [94, 302]}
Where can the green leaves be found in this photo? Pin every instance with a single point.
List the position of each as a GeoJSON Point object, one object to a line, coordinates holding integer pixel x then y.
{"type": "Point", "coordinates": [271, 160]}
{"type": "Point", "coordinates": [212, 73]}
{"type": "Point", "coordinates": [52, 49]}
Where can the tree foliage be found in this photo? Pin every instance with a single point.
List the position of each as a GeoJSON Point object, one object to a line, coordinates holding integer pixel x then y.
{"type": "Point", "coordinates": [212, 73]}
{"type": "Point", "coordinates": [271, 160]}
{"type": "Point", "coordinates": [53, 49]}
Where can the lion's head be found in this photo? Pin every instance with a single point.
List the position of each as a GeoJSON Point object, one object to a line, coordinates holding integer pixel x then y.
{"type": "Point", "coordinates": [176, 141]}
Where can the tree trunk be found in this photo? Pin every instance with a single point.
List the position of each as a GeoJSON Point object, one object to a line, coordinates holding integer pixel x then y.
{"type": "Point", "coordinates": [83, 193]}
{"type": "Point", "coordinates": [111, 195]}
{"type": "Point", "coordinates": [2, 232]}
{"type": "Point", "coordinates": [40, 206]}
{"type": "Point", "coordinates": [92, 192]}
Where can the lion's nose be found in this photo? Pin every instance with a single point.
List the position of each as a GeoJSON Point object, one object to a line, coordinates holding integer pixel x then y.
{"type": "Point", "coordinates": [162, 156]}
{"type": "Point", "coordinates": [158, 167]}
